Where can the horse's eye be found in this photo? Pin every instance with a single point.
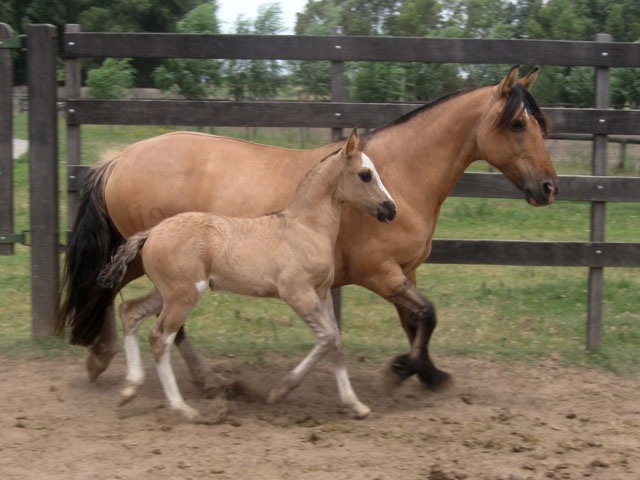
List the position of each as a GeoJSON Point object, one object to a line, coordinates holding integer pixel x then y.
{"type": "Point", "coordinates": [517, 126]}
{"type": "Point", "coordinates": [365, 176]}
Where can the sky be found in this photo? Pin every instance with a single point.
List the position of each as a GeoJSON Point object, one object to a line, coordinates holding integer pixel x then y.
{"type": "Point", "coordinates": [228, 11]}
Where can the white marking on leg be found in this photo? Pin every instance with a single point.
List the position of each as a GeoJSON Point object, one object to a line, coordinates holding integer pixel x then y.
{"type": "Point", "coordinates": [201, 286]}
{"type": "Point", "coordinates": [135, 371]}
{"type": "Point", "coordinates": [348, 395]}
{"type": "Point", "coordinates": [168, 381]}
{"type": "Point", "coordinates": [367, 163]}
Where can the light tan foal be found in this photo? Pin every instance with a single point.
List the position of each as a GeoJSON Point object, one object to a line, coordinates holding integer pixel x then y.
{"type": "Point", "coordinates": [288, 254]}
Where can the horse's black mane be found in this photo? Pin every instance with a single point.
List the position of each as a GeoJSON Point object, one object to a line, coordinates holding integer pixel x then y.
{"type": "Point", "coordinates": [518, 97]}
{"type": "Point", "coordinates": [521, 97]}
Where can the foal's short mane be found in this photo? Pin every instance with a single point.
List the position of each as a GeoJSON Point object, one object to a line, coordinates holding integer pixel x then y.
{"type": "Point", "coordinates": [519, 98]}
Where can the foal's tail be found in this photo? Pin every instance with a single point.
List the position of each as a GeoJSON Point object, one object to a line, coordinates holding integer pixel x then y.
{"type": "Point", "coordinates": [112, 274]}
{"type": "Point", "coordinates": [84, 303]}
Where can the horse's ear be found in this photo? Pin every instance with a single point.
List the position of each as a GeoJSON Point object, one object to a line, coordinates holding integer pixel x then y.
{"type": "Point", "coordinates": [508, 82]}
{"type": "Point", "coordinates": [351, 147]}
{"type": "Point", "coordinates": [528, 81]}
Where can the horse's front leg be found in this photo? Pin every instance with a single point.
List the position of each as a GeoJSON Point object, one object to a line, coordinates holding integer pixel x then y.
{"type": "Point", "coordinates": [418, 318]}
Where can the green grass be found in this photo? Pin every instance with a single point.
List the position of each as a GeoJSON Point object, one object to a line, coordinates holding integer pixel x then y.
{"type": "Point", "coordinates": [500, 313]}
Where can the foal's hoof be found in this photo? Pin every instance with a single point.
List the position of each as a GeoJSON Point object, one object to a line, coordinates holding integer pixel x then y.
{"type": "Point", "coordinates": [361, 411]}
{"type": "Point", "coordinates": [187, 412]}
{"type": "Point", "coordinates": [126, 395]}
{"type": "Point", "coordinates": [276, 395]}
{"type": "Point", "coordinates": [435, 379]}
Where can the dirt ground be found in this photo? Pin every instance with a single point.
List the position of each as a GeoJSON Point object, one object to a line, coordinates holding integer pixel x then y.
{"type": "Point", "coordinates": [497, 422]}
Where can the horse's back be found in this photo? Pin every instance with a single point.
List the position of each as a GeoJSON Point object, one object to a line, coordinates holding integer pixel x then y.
{"type": "Point", "coordinates": [189, 171]}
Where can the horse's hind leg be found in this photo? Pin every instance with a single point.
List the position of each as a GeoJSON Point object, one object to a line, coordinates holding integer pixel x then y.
{"type": "Point", "coordinates": [104, 348]}
{"type": "Point", "coordinates": [197, 367]}
{"type": "Point", "coordinates": [174, 314]}
{"type": "Point", "coordinates": [132, 313]}
{"type": "Point", "coordinates": [106, 345]}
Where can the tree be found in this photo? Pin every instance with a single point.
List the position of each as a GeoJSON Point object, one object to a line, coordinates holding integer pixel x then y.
{"type": "Point", "coordinates": [112, 79]}
{"type": "Point", "coordinates": [256, 79]}
{"type": "Point", "coordinates": [192, 78]}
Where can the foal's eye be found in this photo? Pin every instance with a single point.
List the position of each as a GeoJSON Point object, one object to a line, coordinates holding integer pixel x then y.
{"type": "Point", "coordinates": [365, 176]}
{"type": "Point", "coordinates": [517, 126]}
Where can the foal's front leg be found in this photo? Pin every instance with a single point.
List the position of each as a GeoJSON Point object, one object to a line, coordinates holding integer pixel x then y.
{"type": "Point", "coordinates": [347, 394]}
{"type": "Point", "coordinates": [321, 320]}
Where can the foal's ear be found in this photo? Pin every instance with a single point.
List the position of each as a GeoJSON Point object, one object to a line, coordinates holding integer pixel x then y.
{"type": "Point", "coordinates": [351, 147]}
{"type": "Point", "coordinates": [508, 82]}
{"type": "Point", "coordinates": [528, 81]}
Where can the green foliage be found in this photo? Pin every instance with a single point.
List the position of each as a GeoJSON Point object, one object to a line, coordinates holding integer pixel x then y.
{"type": "Point", "coordinates": [112, 79]}
{"type": "Point", "coordinates": [193, 78]}
{"type": "Point", "coordinates": [256, 79]}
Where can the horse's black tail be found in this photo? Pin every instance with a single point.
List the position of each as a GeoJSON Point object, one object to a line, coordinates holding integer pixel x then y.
{"type": "Point", "coordinates": [94, 239]}
{"type": "Point", "coordinates": [112, 274]}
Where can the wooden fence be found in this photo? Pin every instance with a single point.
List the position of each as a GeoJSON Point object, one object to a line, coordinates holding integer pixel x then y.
{"type": "Point", "coordinates": [339, 113]}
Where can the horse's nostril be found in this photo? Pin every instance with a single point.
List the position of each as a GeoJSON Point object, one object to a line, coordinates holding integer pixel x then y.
{"type": "Point", "coordinates": [548, 188]}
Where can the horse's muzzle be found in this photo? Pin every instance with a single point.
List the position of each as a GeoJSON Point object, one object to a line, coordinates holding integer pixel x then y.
{"type": "Point", "coordinates": [545, 195]}
{"type": "Point", "coordinates": [386, 211]}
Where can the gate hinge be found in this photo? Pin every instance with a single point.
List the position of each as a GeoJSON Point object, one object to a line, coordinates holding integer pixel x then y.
{"type": "Point", "coordinates": [15, 238]}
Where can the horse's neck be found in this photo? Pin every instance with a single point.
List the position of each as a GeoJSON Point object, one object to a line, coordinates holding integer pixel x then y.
{"type": "Point", "coordinates": [424, 157]}
{"type": "Point", "coordinates": [314, 202]}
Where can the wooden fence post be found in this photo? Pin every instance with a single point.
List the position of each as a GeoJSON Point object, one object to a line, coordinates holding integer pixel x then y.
{"type": "Point", "coordinates": [6, 141]}
{"type": "Point", "coordinates": [599, 167]}
{"type": "Point", "coordinates": [43, 176]}
{"type": "Point", "coordinates": [73, 84]}
{"type": "Point", "coordinates": [338, 94]}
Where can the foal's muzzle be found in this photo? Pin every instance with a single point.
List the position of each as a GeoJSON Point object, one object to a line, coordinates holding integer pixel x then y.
{"type": "Point", "coordinates": [386, 211]}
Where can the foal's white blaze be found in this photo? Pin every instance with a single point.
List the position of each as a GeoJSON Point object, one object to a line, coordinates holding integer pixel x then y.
{"type": "Point", "coordinates": [367, 163]}
{"type": "Point", "coordinates": [526, 114]}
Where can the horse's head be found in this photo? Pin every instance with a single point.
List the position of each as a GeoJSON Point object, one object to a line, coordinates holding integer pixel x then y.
{"type": "Point", "coordinates": [361, 184]}
{"type": "Point", "coordinates": [510, 136]}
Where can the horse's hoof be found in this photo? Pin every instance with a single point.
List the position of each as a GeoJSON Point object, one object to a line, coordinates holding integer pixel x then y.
{"type": "Point", "coordinates": [96, 364]}
{"type": "Point", "coordinates": [435, 380]}
{"type": "Point", "coordinates": [403, 367]}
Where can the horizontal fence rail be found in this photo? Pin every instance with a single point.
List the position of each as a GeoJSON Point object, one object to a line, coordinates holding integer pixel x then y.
{"type": "Point", "coordinates": [352, 48]}
{"type": "Point", "coordinates": [311, 114]}
{"type": "Point", "coordinates": [495, 252]}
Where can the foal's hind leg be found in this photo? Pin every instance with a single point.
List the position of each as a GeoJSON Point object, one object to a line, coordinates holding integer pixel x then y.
{"type": "Point", "coordinates": [132, 313]}
{"type": "Point", "coordinates": [173, 315]}
{"type": "Point", "coordinates": [106, 345]}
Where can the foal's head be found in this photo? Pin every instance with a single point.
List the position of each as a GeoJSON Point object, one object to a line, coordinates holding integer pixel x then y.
{"type": "Point", "coordinates": [511, 135]}
{"type": "Point", "coordinates": [360, 183]}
